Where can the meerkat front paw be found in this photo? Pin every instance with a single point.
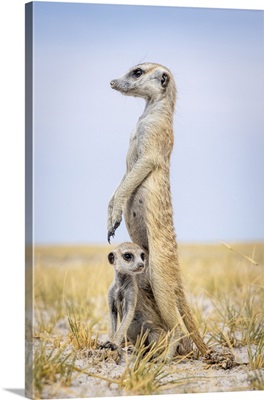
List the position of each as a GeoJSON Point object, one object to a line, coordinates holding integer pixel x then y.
{"type": "Point", "coordinates": [108, 345]}
{"type": "Point", "coordinates": [115, 225]}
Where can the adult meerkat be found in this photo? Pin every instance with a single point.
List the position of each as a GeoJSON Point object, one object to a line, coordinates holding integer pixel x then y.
{"type": "Point", "coordinates": [137, 311]}
{"type": "Point", "coordinates": [144, 194]}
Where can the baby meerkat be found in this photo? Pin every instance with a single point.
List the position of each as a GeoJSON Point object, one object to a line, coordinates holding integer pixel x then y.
{"type": "Point", "coordinates": [144, 195]}
{"type": "Point", "coordinates": [136, 309]}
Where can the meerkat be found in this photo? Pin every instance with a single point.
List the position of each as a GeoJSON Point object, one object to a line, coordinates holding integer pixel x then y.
{"type": "Point", "coordinates": [144, 195]}
{"type": "Point", "coordinates": [135, 308]}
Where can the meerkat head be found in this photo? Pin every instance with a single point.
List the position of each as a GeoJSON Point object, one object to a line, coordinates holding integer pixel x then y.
{"type": "Point", "coordinates": [127, 258]}
{"type": "Point", "coordinates": [148, 80]}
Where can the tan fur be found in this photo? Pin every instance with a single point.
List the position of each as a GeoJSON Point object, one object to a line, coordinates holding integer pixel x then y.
{"type": "Point", "coordinates": [144, 194]}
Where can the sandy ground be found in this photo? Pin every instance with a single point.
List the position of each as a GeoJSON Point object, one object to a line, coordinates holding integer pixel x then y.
{"type": "Point", "coordinates": [186, 376]}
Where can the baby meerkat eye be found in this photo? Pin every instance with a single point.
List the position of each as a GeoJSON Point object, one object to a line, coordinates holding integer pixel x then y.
{"type": "Point", "coordinates": [137, 72]}
{"type": "Point", "coordinates": [142, 255]}
{"type": "Point", "coordinates": [128, 256]}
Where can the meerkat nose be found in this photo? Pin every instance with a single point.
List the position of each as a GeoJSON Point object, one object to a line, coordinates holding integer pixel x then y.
{"type": "Point", "coordinates": [112, 83]}
{"type": "Point", "coordinates": [140, 265]}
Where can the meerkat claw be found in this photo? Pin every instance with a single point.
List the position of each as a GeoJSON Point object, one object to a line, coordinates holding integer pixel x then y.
{"type": "Point", "coordinates": [116, 225]}
{"type": "Point", "coordinates": [110, 233]}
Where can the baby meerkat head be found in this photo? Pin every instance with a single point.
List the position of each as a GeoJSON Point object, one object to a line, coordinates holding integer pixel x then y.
{"type": "Point", "coordinates": [148, 80]}
{"type": "Point", "coordinates": [128, 258]}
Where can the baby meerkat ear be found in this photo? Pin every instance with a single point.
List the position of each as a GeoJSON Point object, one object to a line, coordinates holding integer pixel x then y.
{"type": "Point", "coordinates": [164, 79]}
{"type": "Point", "coordinates": [111, 258]}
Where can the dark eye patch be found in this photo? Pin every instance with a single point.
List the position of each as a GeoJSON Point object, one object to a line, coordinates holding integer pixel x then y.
{"type": "Point", "coordinates": [128, 256]}
{"type": "Point", "coordinates": [137, 73]}
{"type": "Point", "coordinates": [142, 255]}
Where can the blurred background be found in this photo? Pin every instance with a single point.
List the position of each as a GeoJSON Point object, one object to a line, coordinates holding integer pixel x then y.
{"type": "Point", "coordinates": [81, 127]}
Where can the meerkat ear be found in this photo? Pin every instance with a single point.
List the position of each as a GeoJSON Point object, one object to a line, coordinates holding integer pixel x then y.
{"type": "Point", "coordinates": [164, 79]}
{"type": "Point", "coordinates": [111, 258]}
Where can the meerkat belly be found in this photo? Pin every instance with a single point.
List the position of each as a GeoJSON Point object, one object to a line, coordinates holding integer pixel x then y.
{"type": "Point", "coordinates": [150, 200]}
{"type": "Point", "coordinates": [135, 217]}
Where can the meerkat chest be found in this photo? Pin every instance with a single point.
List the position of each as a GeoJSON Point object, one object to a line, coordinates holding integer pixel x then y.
{"type": "Point", "coordinates": [135, 146]}
{"type": "Point", "coordinates": [132, 154]}
{"type": "Point", "coordinates": [121, 303]}
{"type": "Point", "coordinates": [119, 295]}
{"type": "Point", "coordinates": [125, 295]}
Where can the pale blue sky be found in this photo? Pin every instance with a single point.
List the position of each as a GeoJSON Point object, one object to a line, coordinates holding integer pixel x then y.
{"type": "Point", "coordinates": [82, 127]}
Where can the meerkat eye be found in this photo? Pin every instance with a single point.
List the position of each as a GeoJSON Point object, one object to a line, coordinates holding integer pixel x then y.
{"type": "Point", "coordinates": [137, 73]}
{"type": "Point", "coordinates": [142, 255]}
{"type": "Point", "coordinates": [128, 256]}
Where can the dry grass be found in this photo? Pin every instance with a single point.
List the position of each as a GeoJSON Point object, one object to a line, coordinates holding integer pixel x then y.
{"type": "Point", "coordinates": [224, 283]}
{"type": "Point", "coordinates": [51, 365]}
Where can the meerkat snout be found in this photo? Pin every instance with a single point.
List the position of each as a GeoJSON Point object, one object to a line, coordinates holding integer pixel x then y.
{"type": "Point", "coordinates": [140, 265]}
{"type": "Point", "coordinates": [115, 84]}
